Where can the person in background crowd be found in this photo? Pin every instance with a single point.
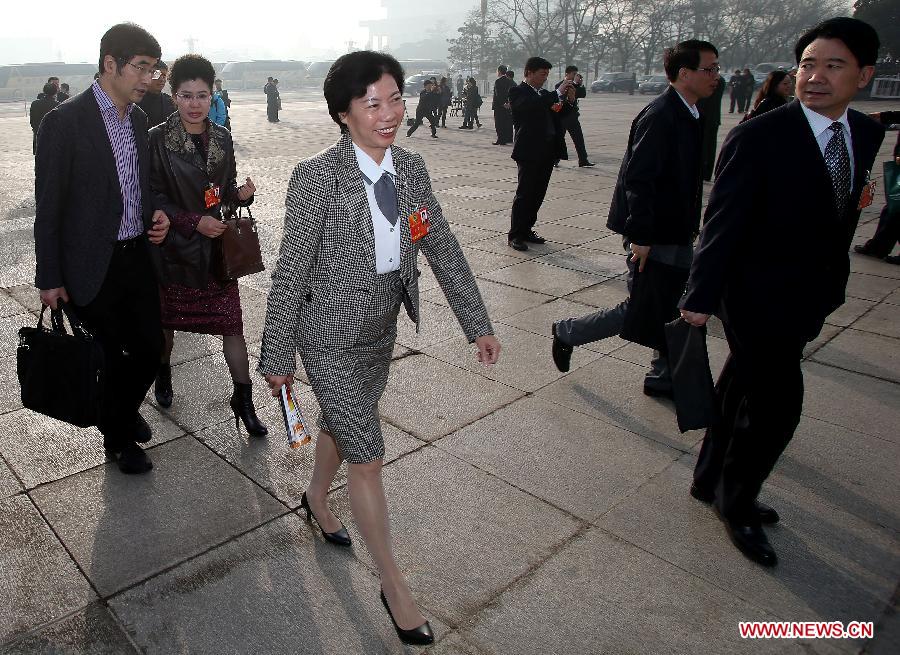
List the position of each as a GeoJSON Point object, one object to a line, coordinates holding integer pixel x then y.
{"type": "Point", "coordinates": [570, 121]}
{"type": "Point", "coordinates": [54, 81]}
{"type": "Point", "coordinates": [218, 113]}
{"type": "Point", "coordinates": [426, 109]}
{"type": "Point", "coordinates": [471, 104]}
{"type": "Point", "coordinates": [633, 85]}
{"type": "Point", "coordinates": [446, 94]}
{"type": "Point", "coordinates": [711, 112]}
{"type": "Point", "coordinates": [191, 155]}
{"type": "Point", "coordinates": [223, 93]}
{"type": "Point", "coordinates": [156, 103]}
{"type": "Point", "coordinates": [775, 91]}
{"type": "Point", "coordinates": [500, 106]}
{"type": "Point", "coordinates": [748, 83]}
{"type": "Point", "coordinates": [273, 100]}
{"type": "Point", "coordinates": [39, 108]}
{"type": "Point", "coordinates": [734, 90]}
{"type": "Point", "coordinates": [63, 93]}
{"type": "Point", "coordinates": [887, 234]}
{"type": "Point", "coordinates": [459, 86]}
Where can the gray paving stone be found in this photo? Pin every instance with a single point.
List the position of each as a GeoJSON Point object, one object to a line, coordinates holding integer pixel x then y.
{"type": "Point", "coordinates": [10, 392]}
{"type": "Point", "coordinates": [587, 260]}
{"type": "Point", "coordinates": [9, 485]}
{"type": "Point", "coordinates": [595, 220]}
{"type": "Point", "coordinates": [567, 234]}
{"type": "Point", "coordinates": [9, 306]}
{"type": "Point", "coordinates": [274, 590]}
{"type": "Point", "coordinates": [883, 319]}
{"type": "Point", "coordinates": [92, 631]}
{"type": "Point", "coordinates": [849, 312]}
{"type": "Point", "coordinates": [459, 534]}
{"type": "Point", "coordinates": [873, 266]}
{"type": "Point", "coordinates": [575, 462]}
{"type": "Point", "coordinates": [870, 287]}
{"type": "Point", "coordinates": [41, 449]}
{"type": "Point", "coordinates": [887, 633]}
{"type": "Point", "coordinates": [814, 541]}
{"type": "Point", "coordinates": [122, 529]}
{"type": "Point", "coordinates": [500, 246]}
{"type": "Point", "coordinates": [622, 607]}
{"type": "Point", "coordinates": [481, 261]}
{"type": "Point", "coordinates": [827, 333]}
{"type": "Point", "coordinates": [608, 293]}
{"type": "Point", "coordinates": [9, 325]}
{"type": "Point", "coordinates": [525, 361]}
{"type": "Point", "coordinates": [611, 390]}
{"type": "Point", "coordinates": [188, 346]}
{"type": "Point", "coordinates": [852, 401]}
{"type": "Point", "coordinates": [27, 296]}
{"type": "Point", "coordinates": [38, 580]}
{"type": "Point", "coordinates": [428, 398]}
{"type": "Point", "coordinates": [611, 243]}
{"type": "Point", "coordinates": [454, 644]}
{"type": "Point", "coordinates": [501, 300]}
{"type": "Point", "coordinates": [282, 471]}
{"type": "Point", "coordinates": [437, 323]}
{"type": "Point", "coordinates": [466, 234]}
{"type": "Point", "coordinates": [543, 278]}
{"type": "Point", "coordinates": [641, 355]}
{"type": "Point", "coordinates": [863, 352]}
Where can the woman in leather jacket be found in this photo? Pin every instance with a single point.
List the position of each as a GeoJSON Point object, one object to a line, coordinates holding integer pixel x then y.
{"type": "Point", "coordinates": [193, 176]}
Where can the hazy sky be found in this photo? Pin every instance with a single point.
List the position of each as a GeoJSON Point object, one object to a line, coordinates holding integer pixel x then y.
{"type": "Point", "coordinates": [56, 30]}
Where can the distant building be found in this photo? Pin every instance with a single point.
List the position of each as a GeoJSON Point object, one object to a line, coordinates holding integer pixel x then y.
{"type": "Point", "coordinates": [407, 23]}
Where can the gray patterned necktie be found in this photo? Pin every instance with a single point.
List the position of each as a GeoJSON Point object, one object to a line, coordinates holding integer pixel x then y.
{"type": "Point", "coordinates": [386, 197]}
{"type": "Point", "coordinates": [837, 160]}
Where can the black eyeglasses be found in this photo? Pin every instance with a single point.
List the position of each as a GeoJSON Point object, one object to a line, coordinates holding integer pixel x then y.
{"type": "Point", "coordinates": [144, 70]}
{"type": "Point", "coordinates": [712, 70]}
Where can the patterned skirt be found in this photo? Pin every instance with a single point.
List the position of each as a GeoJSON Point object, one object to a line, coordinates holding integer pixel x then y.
{"type": "Point", "coordinates": [349, 382]}
{"type": "Point", "coordinates": [213, 310]}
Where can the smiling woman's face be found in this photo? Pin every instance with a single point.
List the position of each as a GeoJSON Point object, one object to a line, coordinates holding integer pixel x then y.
{"type": "Point", "coordinates": [192, 100]}
{"type": "Point", "coordinates": [374, 118]}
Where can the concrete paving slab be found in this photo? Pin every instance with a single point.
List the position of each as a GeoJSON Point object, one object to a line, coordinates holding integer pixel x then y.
{"type": "Point", "coordinates": [873, 266]}
{"type": "Point", "coordinates": [459, 534]}
{"type": "Point", "coordinates": [428, 398]}
{"type": "Point", "coordinates": [9, 485]}
{"type": "Point", "coordinates": [622, 607]}
{"type": "Point", "coordinates": [481, 261]}
{"type": "Point", "coordinates": [501, 300]}
{"type": "Point", "coordinates": [122, 529]}
{"type": "Point", "coordinates": [883, 319]}
{"type": "Point", "coordinates": [608, 293]}
{"type": "Point", "coordinates": [567, 234]}
{"type": "Point", "coordinates": [850, 311]}
{"type": "Point", "coordinates": [851, 400]}
{"type": "Point", "coordinates": [40, 582]}
{"type": "Point", "coordinates": [611, 243]}
{"type": "Point", "coordinates": [544, 278]}
{"type": "Point", "coordinates": [9, 325]}
{"type": "Point", "coordinates": [9, 306]}
{"type": "Point", "coordinates": [827, 333]}
{"type": "Point", "coordinates": [863, 352]}
{"type": "Point", "coordinates": [10, 392]}
{"type": "Point", "coordinates": [500, 245]}
{"type": "Point", "coordinates": [188, 346]}
{"type": "Point", "coordinates": [870, 287]}
{"type": "Point", "coordinates": [814, 541]}
{"type": "Point", "coordinates": [274, 590]}
{"type": "Point", "coordinates": [41, 449]}
{"type": "Point", "coordinates": [27, 296]}
{"type": "Point", "coordinates": [92, 631]}
{"type": "Point", "coordinates": [437, 323]}
{"type": "Point", "coordinates": [611, 390]}
{"type": "Point", "coordinates": [592, 220]}
{"type": "Point", "coordinates": [465, 234]}
{"type": "Point", "coordinates": [578, 463]}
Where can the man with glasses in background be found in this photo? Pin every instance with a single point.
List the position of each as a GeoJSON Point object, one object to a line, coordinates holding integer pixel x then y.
{"type": "Point", "coordinates": [96, 232]}
{"type": "Point", "coordinates": [156, 103]}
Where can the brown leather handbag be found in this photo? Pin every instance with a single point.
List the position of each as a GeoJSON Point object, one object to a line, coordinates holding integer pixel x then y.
{"type": "Point", "coordinates": [237, 249]}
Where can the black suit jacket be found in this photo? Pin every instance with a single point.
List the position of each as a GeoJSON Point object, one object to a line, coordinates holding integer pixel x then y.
{"type": "Point", "coordinates": [538, 132]}
{"type": "Point", "coordinates": [657, 199]}
{"type": "Point", "coordinates": [773, 251]}
{"type": "Point", "coordinates": [502, 85]}
{"type": "Point", "coordinates": [79, 199]}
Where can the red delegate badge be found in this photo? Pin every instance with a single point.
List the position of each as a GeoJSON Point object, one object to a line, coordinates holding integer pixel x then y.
{"type": "Point", "coordinates": [418, 224]}
{"type": "Point", "coordinates": [212, 196]}
{"type": "Point", "coordinates": [868, 194]}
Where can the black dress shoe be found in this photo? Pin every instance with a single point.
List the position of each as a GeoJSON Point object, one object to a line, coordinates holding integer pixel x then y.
{"type": "Point", "coordinates": [584, 164]}
{"type": "Point", "coordinates": [561, 351]}
{"type": "Point", "coordinates": [658, 391]}
{"type": "Point", "coordinates": [534, 237]}
{"type": "Point", "coordinates": [868, 250]}
{"type": "Point", "coordinates": [893, 259]}
{"type": "Point", "coordinates": [518, 244]}
{"type": "Point", "coordinates": [766, 515]}
{"type": "Point", "coordinates": [338, 538]}
{"type": "Point", "coordinates": [752, 542]}
{"type": "Point", "coordinates": [420, 636]}
{"type": "Point", "coordinates": [132, 459]}
{"type": "Point", "coordinates": [142, 431]}
{"type": "Point", "coordinates": [162, 388]}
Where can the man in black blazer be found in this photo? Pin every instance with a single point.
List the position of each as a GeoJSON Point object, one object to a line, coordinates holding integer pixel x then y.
{"type": "Point", "coordinates": [656, 203]}
{"type": "Point", "coordinates": [537, 144]}
{"type": "Point", "coordinates": [772, 302]}
{"type": "Point", "coordinates": [570, 122]}
{"type": "Point", "coordinates": [40, 108]}
{"type": "Point", "coordinates": [500, 104]}
{"type": "Point", "coordinates": [95, 226]}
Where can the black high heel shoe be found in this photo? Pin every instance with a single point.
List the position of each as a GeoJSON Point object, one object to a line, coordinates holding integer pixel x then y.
{"type": "Point", "coordinates": [417, 636]}
{"type": "Point", "coordinates": [338, 538]}
{"type": "Point", "coordinates": [242, 406]}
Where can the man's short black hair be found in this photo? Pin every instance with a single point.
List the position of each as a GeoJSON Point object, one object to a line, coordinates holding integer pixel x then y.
{"type": "Point", "coordinates": [537, 64]}
{"type": "Point", "coordinates": [64, 86]}
{"type": "Point", "coordinates": [49, 90]}
{"type": "Point", "coordinates": [571, 69]}
{"type": "Point", "coordinates": [51, 78]}
{"type": "Point", "coordinates": [270, 79]}
{"type": "Point", "coordinates": [502, 69]}
{"type": "Point", "coordinates": [860, 38]}
{"type": "Point", "coordinates": [191, 67]}
{"type": "Point", "coordinates": [161, 65]}
{"type": "Point", "coordinates": [351, 74]}
{"type": "Point", "coordinates": [685, 55]}
{"type": "Point", "coordinates": [510, 74]}
{"type": "Point", "coordinates": [127, 40]}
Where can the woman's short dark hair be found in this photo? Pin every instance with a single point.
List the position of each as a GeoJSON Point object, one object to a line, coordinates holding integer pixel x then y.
{"type": "Point", "coordinates": [860, 38]}
{"type": "Point", "coordinates": [537, 64]}
{"type": "Point", "coordinates": [191, 67]}
{"type": "Point", "coordinates": [127, 40]}
{"type": "Point", "coordinates": [50, 90]}
{"type": "Point", "coordinates": [685, 55]}
{"type": "Point", "coordinates": [349, 77]}
{"type": "Point", "coordinates": [770, 86]}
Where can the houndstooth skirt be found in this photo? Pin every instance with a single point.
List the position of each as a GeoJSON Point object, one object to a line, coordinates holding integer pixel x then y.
{"type": "Point", "coordinates": [349, 382]}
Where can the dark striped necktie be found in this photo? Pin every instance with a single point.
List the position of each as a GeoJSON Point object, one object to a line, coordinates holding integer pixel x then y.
{"type": "Point", "coordinates": [837, 160]}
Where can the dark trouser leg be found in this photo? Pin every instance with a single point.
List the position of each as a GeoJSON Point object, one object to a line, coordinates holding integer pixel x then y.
{"type": "Point", "coordinates": [733, 102]}
{"type": "Point", "coordinates": [708, 151]}
{"type": "Point", "coordinates": [433, 121]}
{"type": "Point", "coordinates": [573, 127]}
{"type": "Point", "coordinates": [498, 124]}
{"type": "Point", "coordinates": [886, 234]}
{"type": "Point", "coordinates": [414, 126]}
{"type": "Point", "coordinates": [443, 116]}
{"type": "Point", "coordinates": [125, 318]}
{"type": "Point", "coordinates": [507, 133]}
{"type": "Point", "coordinates": [534, 176]}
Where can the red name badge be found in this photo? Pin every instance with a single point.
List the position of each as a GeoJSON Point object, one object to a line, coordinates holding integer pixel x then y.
{"type": "Point", "coordinates": [212, 196]}
{"type": "Point", "coordinates": [418, 224]}
{"type": "Point", "coordinates": [868, 194]}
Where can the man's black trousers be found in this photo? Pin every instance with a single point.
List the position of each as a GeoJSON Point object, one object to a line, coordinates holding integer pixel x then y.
{"type": "Point", "coordinates": [534, 176]}
{"type": "Point", "coordinates": [573, 127]}
{"type": "Point", "coordinates": [503, 124]}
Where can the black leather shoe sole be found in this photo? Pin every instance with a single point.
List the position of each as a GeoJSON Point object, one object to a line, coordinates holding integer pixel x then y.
{"type": "Point", "coordinates": [702, 495]}
{"type": "Point", "coordinates": [752, 542]}
{"type": "Point", "coordinates": [133, 460]}
{"type": "Point", "coordinates": [142, 432]}
{"type": "Point", "coordinates": [766, 515]}
{"type": "Point", "coordinates": [561, 351]}
{"type": "Point", "coordinates": [535, 238]}
{"type": "Point", "coordinates": [868, 251]}
{"type": "Point", "coordinates": [517, 244]}
{"type": "Point", "coordinates": [655, 392]}
{"type": "Point", "coordinates": [586, 164]}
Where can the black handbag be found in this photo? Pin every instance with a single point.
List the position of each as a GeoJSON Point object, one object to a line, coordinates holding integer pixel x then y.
{"type": "Point", "coordinates": [692, 384]}
{"type": "Point", "coordinates": [61, 375]}
{"type": "Point", "coordinates": [655, 293]}
{"type": "Point", "coordinates": [237, 248]}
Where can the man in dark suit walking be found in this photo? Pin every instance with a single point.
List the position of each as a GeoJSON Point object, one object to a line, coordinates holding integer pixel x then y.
{"type": "Point", "coordinates": [40, 108]}
{"type": "Point", "coordinates": [95, 230]}
{"type": "Point", "coordinates": [537, 144]}
{"type": "Point", "coordinates": [427, 109]}
{"type": "Point", "coordinates": [711, 112]}
{"type": "Point", "coordinates": [500, 104]}
{"type": "Point", "coordinates": [657, 201]}
{"type": "Point", "coordinates": [570, 122]}
{"type": "Point", "coordinates": [772, 304]}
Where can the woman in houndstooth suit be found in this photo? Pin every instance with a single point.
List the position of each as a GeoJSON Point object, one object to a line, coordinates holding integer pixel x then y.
{"type": "Point", "coordinates": [358, 214]}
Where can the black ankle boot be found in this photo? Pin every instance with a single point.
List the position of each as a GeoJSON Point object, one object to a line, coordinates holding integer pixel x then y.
{"type": "Point", "coordinates": [162, 389]}
{"type": "Point", "coordinates": [242, 406]}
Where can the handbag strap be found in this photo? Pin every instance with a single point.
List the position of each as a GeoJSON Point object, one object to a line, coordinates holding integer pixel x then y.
{"type": "Point", "coordinates": [78, 328]}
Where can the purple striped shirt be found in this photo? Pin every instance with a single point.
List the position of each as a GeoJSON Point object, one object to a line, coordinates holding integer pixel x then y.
{"type": "Point", "coordinates": [121, 138]}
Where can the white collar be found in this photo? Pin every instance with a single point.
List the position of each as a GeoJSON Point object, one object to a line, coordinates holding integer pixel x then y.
{"type": "Point", "coordinates": [691, 108]}
{"type": "Point", "coordinates": [820, 123]}
{"type": "Point", "coordinates": [369, 168]}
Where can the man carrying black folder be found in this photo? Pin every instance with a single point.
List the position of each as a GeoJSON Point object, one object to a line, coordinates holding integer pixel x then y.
{"type": "Point", "coordinates": [657, 200]}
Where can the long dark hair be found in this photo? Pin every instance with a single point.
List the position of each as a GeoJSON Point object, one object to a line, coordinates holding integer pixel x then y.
{"type": "Point", "coordinates": [770, 87]}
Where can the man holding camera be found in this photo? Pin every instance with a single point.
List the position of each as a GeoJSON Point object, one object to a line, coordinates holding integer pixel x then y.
{"type": "Point", "coordinates": [570, 122]}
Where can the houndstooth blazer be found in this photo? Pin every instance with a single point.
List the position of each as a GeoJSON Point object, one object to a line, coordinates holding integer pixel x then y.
{"type": "Point", "coordinates": [326, 266]}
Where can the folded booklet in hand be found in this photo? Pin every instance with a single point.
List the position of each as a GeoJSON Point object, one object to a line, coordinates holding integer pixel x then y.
{"type": "Point", "coordinates": [297, 429]}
